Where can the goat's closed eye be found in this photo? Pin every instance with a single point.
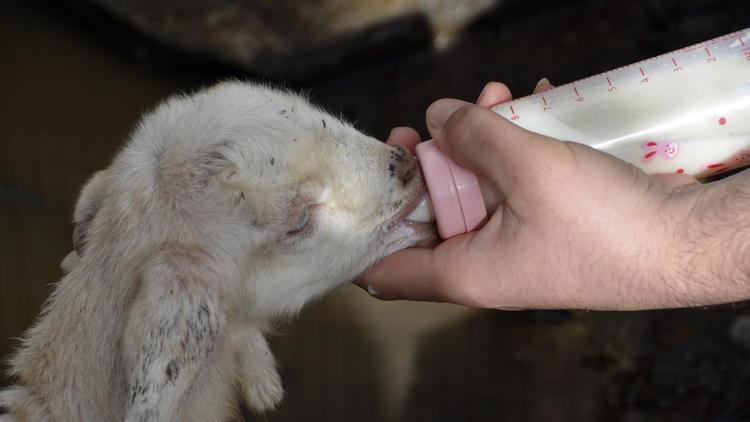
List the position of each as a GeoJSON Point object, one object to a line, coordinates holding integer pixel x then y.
{"type": "Point", "coordinates": [302, 222]}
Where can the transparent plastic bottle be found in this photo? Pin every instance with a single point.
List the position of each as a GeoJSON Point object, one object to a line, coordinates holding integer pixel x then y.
{"type": "Point", "coordinates": [687, 111]}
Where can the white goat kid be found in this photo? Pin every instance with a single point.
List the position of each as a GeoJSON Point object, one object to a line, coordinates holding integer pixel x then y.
{"type": "Point", "coordinates": [226, 209]}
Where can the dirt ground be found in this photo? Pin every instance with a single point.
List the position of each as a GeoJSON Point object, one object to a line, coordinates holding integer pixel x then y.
{"type": "Point", "coordinates": [70, 93]}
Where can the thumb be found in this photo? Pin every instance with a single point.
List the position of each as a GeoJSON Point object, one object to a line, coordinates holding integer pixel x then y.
{"type": "Point", "coordinates": [481, 140]}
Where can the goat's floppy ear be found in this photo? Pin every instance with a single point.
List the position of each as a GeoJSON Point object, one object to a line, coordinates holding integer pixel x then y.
{"type": "Point", "coordinates": [88, 205]}
{"type": "Point", "coordinates": [175, 323]}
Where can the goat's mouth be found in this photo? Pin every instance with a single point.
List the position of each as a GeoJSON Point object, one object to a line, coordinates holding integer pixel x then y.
{"type": "Point", "coordinates": [412, 224]}
{"type": "Point", "coordinates": [419, 211]}
{"type": "Point", "coordinates": [416, 214]}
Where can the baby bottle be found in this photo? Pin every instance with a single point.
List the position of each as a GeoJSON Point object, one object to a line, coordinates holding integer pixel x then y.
{"type": "Point", "coordinates": [687, 111]}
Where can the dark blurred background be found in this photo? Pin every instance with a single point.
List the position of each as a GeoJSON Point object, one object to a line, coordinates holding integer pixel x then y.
{"type": "Point", "coordinates": [75, 75]}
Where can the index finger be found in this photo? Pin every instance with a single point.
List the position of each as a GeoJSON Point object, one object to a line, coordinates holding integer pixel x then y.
{"type": "Point", "coordinates": [493, 94]}
{"type": "Point", "coordinates": [404, 136]}
{"type": "Point", "coordinates": [408, 274]}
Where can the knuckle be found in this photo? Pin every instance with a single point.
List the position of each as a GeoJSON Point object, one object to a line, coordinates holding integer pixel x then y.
{"type": "Point", "coordinates": [470, 128]}
{"type": "Point", "coordinates": [465, 119]}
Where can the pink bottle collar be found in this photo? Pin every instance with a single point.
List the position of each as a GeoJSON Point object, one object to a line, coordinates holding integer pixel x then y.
{"type": "Point", "coordinates": [454, 192]}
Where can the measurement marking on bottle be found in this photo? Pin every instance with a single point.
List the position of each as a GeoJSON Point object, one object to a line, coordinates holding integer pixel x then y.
{"type": "Point", "coordinates": [513, 116]}
{"type": "Point", "coordinates": [677, 67]}
{"type": "Point", "coordinates": [611, 87]}
{"type": "Point", "coordinates": [645, 78]}
{"type": "Point", "coordinates": [745, 49]}
{"type": "Point", "coordinates": [579, 98]}
{"type": "Point", "coordinates": [546, 106]}
{"type": "Point", "coordinates": [711, 57]}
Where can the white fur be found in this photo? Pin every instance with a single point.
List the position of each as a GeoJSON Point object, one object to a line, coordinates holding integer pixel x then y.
{"type": "Point", "coordinates": [187, 248]}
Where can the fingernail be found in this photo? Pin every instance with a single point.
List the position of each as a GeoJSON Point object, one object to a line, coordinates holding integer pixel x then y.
{"type": "Point", "coordinates": [372, 291]}
{"type": "Point", "coordinates": [441, 110]}
{"type": "Point", "coordinates": [543, 81]}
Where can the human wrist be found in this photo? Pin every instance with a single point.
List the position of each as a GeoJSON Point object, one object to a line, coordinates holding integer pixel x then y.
{"type": "Point", "coordinates": [712, 243]}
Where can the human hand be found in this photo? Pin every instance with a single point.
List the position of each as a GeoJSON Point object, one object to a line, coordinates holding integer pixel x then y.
{"type": "Point", "coordinates": [575, 227]}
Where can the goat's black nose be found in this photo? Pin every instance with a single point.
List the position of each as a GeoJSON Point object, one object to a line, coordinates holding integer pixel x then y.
{"type": "Point", "coordinates": [403, 165]}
